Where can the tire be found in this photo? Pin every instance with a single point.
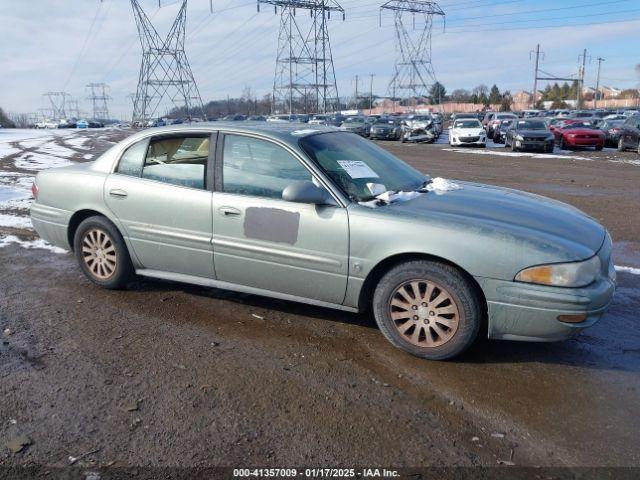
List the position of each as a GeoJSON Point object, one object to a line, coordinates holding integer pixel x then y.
{"type": "Point", "coordinates": [458, 307]}
{"type": "Point", "coordinates": [102, 254]}
{"type": "Point", "coordinates": [548, 149]}
{"type": "Point", "coordinates": [599, 147]}
{"type": "Point", "coordinates": [563, 146]}
{"type": "Point", "coordinates": [621, 145]}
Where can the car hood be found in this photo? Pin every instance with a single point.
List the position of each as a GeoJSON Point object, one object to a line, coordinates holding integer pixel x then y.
{"type": "Point", "coordinates": [583, 131]}
{"type": "Point", "coordinates": [534, 133]}
{"type": "Point", "coordinates": [468, 131]}
{"type": "Point", "coordinates": [511, 212]}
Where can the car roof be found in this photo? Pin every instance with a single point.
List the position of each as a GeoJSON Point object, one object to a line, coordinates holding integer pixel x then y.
{"type": "Point", "coordinates": [287, 132]}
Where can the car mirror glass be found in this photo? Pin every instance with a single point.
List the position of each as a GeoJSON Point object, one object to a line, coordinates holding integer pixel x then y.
{"type": "Point", "coordinates": [307, 192]}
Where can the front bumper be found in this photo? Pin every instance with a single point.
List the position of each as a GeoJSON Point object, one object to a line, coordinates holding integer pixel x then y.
{"type": "Point", "coordinates": [535, 144]}
{"type": "Point", "coordinates": [523, 311]}
{"type": "Point", "coordinates": [383, 135]}
{"type": "Point", "coordinates": [584, 142]}
{"type": "Point", "coordinates": [475, 140]}
{"type": "Point", "coordinates": [519, 311]}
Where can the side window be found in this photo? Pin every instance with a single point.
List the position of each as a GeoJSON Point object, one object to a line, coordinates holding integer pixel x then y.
{"type": "Point", "coordinates": [259, 168]}
{"type": "Point", "coordinates": [178, 161]}
{"type": "Point", "coordinates": [131, 161]}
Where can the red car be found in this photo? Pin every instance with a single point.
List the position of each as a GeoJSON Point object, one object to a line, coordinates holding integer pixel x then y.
{"type": "Point", "coordinates": [575, 133]}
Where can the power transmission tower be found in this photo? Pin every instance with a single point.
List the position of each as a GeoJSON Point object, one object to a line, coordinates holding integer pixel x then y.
{"type": "Point", "coordinates": [596, 94]}
{"type": "Point", "coordinates": [304, 62]}
{"type": "Point", "coordinates": [73, 110]}
{"type": "Point", "coordinates": [413, 72]}
{"type": "Point", "coordinates": [165, 73]}
{"type": "Point", "coordinates": [58, 102]}
{"type": "Point", "coordinates": [99, 97]}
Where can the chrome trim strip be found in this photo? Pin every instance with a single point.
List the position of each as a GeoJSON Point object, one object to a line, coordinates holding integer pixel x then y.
{"type": "Point", "coordinates": [276, 252]}
{"type": "Point", "coordinates": [209, 282]}
{"type": "Point", "coordinates": [150, 230]}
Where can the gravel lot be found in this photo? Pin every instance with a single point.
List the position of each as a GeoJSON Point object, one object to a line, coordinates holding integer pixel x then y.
{"type": "Point", "coordinates": [171, 375]}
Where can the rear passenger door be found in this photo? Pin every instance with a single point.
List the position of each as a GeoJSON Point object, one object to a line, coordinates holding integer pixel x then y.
{"type": "Point", "coordinates": [160, 193]}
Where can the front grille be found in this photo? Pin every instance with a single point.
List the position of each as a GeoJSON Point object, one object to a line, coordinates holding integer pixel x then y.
{"type": "Point", "coordinates": [533, 139]}
{"type": "Point", "coordinates": [469, 139]}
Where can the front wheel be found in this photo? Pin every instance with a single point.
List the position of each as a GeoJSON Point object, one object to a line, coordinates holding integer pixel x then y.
{"type": "Point", "coordinates": [599, 147]}
{"type": "Point", "coordinates": [428, 309]}
{"type": "Point", "coordinates": [102, 254]}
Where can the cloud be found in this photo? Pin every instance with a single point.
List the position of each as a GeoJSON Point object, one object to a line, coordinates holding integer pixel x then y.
{"type": "Point", "coordinates": [43, 41]}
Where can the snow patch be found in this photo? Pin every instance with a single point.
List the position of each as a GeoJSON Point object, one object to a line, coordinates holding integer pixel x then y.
{"type": "Point", "coordinates": [437, 185]}
{"type": "Point", "coordinates": [518, 154]}
{"type": "Point", "coordinates": [632, 270]}
{"type": "Point", "coordinates": [39, 161]}
{"type": "Point", "coordinates": [440, 185]}
{"type": "Point", "coordinates": [77, 142]}
{"type": "Point", "coordinates": [39, 243]}
{"type": "Point", "coordinates": [14, 221]}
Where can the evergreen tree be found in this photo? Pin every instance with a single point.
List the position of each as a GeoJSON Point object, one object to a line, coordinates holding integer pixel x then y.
{"type": "Point", "coordinates": [494, 95]}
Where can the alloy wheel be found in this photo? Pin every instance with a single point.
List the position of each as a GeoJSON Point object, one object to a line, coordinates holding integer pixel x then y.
{"type": "Point", "coordinates": [99, 253]}
{"type": "Point", "coordinates": [424, 313]}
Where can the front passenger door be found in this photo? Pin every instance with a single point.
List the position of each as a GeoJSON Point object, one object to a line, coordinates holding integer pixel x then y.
{"type": "Point", "coordinates": [262, 241]}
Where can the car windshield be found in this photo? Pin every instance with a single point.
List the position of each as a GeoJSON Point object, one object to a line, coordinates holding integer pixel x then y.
{"type": "Point", "coordinates": [354, 120]}
{"type": "Point", "coordinates": [531, 125]}
{"type": "Point", "coordinates": [505, 117]}
{"type": "Point", "coordinates": [386, 121]}
{"type": "Point", "coordinates": [578, 125]}
{"type": "Point", "coordinates": [467, 124]}
{"type": "Point", "coordinates": [354, 164]}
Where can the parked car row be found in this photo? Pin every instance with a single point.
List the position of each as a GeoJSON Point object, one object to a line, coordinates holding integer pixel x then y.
{"type": "Point", "coordinates": [51, 124]}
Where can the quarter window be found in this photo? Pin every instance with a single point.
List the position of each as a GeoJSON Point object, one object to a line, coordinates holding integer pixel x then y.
{"type": "Point", "coordinates": [178, 161]}
{"type": "Point", "coordinates": [131, 160]}
{"type": "Point", "coordinates": [259, 168]}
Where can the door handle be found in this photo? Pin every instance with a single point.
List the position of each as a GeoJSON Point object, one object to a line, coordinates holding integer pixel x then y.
{"type": "Point", "coordinates": [229, 212]}
{"type": "Point", "coordinates": [118, 193]}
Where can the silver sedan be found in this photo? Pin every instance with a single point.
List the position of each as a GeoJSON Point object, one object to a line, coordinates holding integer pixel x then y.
{"type": "Point", "coordinates": [316, 215]}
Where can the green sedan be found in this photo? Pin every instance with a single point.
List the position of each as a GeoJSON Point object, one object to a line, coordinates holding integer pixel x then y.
{"type": "Point", "coordinates": [321, 216]}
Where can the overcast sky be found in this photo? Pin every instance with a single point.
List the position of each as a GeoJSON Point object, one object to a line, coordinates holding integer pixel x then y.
{"type": "Point", "coordinates": [59, 45]}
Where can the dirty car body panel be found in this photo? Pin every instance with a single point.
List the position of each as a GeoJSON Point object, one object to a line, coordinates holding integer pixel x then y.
{"type": "Point", "coordinates": [254, 241]}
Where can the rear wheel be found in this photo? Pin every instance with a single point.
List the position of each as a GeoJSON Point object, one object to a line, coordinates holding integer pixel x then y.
{"type": "Point", "coordinates": [427, 309]}
{"type": "Point", "coordinates": [102, 254]}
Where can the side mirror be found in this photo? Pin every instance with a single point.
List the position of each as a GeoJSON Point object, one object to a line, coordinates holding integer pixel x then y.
{"type": "Point", "coordinates": [307, 192]}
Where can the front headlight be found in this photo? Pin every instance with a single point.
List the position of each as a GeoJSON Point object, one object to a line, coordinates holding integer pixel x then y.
{"type": "Point", "coordinates": [519, 137]}
{"type": "Point", "coordinates": [575, 274]}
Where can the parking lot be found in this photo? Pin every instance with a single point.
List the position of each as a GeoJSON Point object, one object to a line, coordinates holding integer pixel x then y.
{"type": "Point", "coordinates": [166, 374]}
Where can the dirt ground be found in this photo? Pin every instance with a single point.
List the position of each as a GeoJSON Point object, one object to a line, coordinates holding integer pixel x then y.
{"type": "Point", "coordinates": [172, 375]}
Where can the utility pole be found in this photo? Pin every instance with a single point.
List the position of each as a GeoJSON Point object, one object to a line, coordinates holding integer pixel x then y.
{"type": "Point", "coordinates": [581, 81]}
{"type": "Point", "coordinates": [534, 95]}
{"type": "Point", "coordinates": [356, 94]}
{"type": "Point", "coordinates": [597, 92]}
{"type": "Point", "coordinates": [371, 75]}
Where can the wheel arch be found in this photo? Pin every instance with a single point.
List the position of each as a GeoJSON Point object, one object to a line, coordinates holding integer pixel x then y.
{"type": "Point", "coordinates": [78, 217]}
{"type": "Point", "coordinates": [382, 267]}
